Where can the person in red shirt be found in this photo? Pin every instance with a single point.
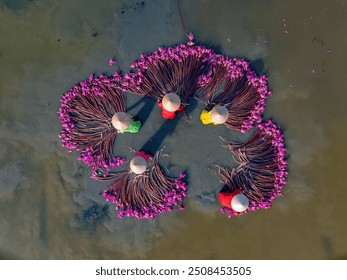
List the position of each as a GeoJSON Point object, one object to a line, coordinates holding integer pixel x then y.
{"type": "Point", "coordinates": [138, 164]}
{"type": "Point", "coordinates": [170, 105]}
{"type": "Point", "coordinates": [235, 200]}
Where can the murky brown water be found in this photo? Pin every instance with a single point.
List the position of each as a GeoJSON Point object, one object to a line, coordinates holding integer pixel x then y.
{"type": "Point", "coordinates": [50, 209]}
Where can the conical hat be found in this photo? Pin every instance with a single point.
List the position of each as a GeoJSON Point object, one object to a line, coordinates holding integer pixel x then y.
{"type": "Point", "coordinates": [171, 102]}
{"type": "Point", "coordinates": [239, 203]}
{"type": "Point", "coordinates": [219, 115]}
{"type": "Point", "coordinates": [121, 120]}
{"type": "Point", "coordinates": [138, 165]}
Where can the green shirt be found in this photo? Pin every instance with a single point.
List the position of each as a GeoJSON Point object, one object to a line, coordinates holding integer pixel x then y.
{"type": "Point", "coordinates": [133, 127]}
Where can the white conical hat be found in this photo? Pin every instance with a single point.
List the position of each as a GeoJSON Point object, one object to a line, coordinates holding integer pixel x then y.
{"type": "Point", "coordinates": [121, 120]}
{"type": "Point", "coordinates": [219, 114]}
{"type": "Point", "coordinates": [138, 165]}
{"type": "Point", "coordinates": [240, 203]}
{"type": "Point", "coordinates": [171, 102]}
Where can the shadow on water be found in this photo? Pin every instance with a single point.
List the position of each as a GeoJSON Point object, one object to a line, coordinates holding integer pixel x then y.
{"type": "Point", "coordinates": [258, 66]}
{"type": "Point", "coordinates": [146, 109]}
{"type": "Point", "coordinates": [192, 104]}
{"type": "Point", "coordinates": [167, 128]}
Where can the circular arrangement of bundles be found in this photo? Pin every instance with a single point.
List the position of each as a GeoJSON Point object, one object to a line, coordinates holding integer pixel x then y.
{"type": "Point", "coordinates": [93, 113]}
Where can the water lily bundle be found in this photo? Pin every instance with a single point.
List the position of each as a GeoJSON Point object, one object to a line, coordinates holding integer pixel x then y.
{"type": "Point", "coordinates": [145, 195]}
{"type": "Point", "coordinates": [233, 180]}
{"type": "Point", "coordinates": [262, 171]}
{"type": "Point", "coordinates": [86, 112]}
{"type": "Point", "coordinates": [174, 69]}
{"type": "Point", "coordinates": [233, 84]}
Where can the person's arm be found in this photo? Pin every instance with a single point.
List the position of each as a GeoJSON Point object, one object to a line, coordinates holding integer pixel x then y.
{"type": "Point", "coordinates": [181, 108]}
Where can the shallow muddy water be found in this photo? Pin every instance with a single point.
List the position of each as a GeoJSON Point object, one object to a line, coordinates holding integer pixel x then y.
{"type": "Point", "coordinates": [51, 209]}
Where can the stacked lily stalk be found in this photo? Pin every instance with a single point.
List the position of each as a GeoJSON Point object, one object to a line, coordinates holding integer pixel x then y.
{"type": "Point", "coordinates": [233, 84]}
{"type": "Point", "coordinates": [262, 171]}
{"type": "Point", "coordinates": [176, 69]}
{"type": "Point", "coordinates": [145, 195]}
{"type": "Point", "coordinates": [86, 111]}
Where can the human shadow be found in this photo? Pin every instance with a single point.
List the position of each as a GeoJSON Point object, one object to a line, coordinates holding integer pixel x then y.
{"type": "Point", "coordinates": [258, 66]}
{"type": "Point", "coordinates": [193, 103]}
{"type": "Point", "coordinates": [166, 129]}
{"type": "Point", "coordinates": [146, 109]}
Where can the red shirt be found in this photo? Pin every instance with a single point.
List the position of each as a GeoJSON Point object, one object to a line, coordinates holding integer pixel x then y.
{"type": "Point", "coordinates": [225, 198]}
{"type": "Point", "coordinates": [143, 154]}
{"type": "Point", "coordinates": [167, 114]}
